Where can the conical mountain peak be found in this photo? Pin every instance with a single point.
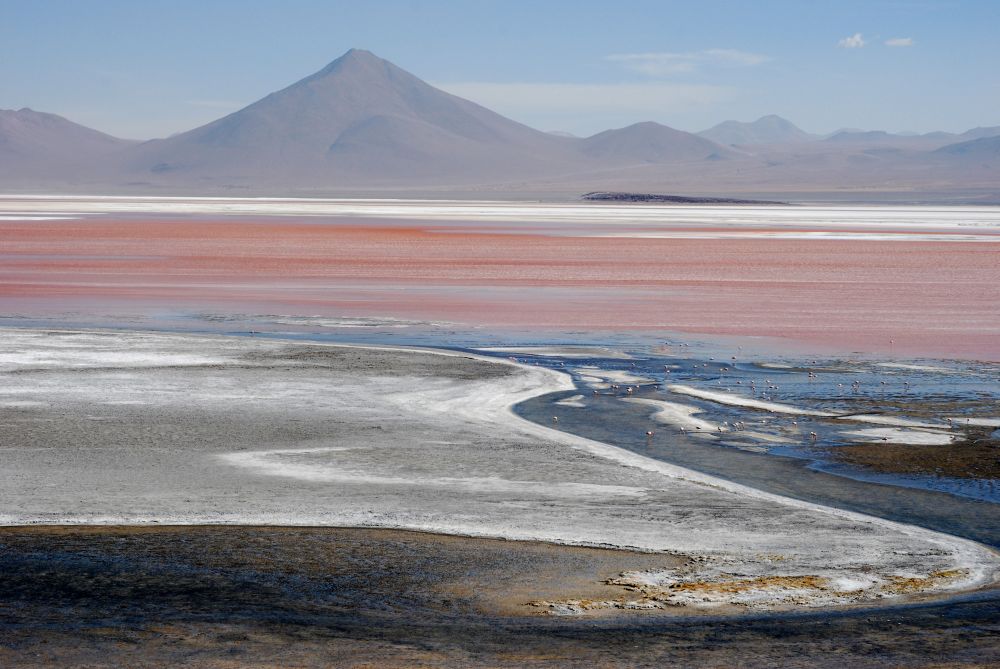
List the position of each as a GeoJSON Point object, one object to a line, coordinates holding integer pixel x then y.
{"type": "Point", "coordinates": [354, 60]}
{"type": "Point", "coordinates": [358, 117]}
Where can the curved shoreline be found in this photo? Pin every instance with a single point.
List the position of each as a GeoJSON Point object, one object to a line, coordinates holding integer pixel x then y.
{"type": "Point", "coordinates": [990, 569]}
{"type": "Point", "coordinates": [979, 560]}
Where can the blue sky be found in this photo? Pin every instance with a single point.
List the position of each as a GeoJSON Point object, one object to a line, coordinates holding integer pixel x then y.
{"type": "Point", "coordinates": [146, 68]}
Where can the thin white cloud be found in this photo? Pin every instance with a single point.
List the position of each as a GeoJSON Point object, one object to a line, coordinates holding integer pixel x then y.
{"type": "Point", "coordinates": [900, 41]}
{"type": "Point", "coordinates": [585, 108]}
{"type": "Point", "coordinates": [855, 41]}
{"type": "Point", "coordinates": [659, 64]}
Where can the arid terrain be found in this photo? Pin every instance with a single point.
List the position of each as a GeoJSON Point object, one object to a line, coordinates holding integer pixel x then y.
{"type": "Point", "coordinates": [260, 448]}
{"type": "Point", "coordinates": [499, 334]}
{"type": "Point", "coordinates": [182, 497]}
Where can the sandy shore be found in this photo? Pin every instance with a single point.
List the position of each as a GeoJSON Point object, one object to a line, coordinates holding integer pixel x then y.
{"type": "Point", "coordinates": [115, 428]}
{"type": "Point", "coordinates": [836, 278]}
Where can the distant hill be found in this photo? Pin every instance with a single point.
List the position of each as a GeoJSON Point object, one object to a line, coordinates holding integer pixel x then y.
{"type": "Point", "coordinates": [34, 142]}
{"type": "Point", "coordinates": [651, 143]}
{"type": "Point", "coordinates": [981, 132]}
{"type": "Point", "coordinates": [880, 137]}
{"type": "Point", "coordinates": [983, 149]}
{"type": "Point", "coordinates": [865, 137]}
{"type": "Point", "coordinates": [938, 135]}
{"type": "Point", "coordinates": [765, 130]}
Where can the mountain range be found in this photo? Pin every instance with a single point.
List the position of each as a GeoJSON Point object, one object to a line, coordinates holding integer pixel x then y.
{"type": "Point", "coordinates": [363, 123]}
{"type": "Point", "coordinates": [769, 129]}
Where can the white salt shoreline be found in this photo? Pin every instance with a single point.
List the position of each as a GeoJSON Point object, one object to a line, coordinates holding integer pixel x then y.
{"type": "Point", "coordinates": [560, 351]}
{"type": "Point", "coordinates": [489, 404]}
{"type": "Point", "coordinates": [677, 414]}
{"type": "Point", "coordinates": [775, 407]}
{"type": "Point", "coordinates": [983, 562]}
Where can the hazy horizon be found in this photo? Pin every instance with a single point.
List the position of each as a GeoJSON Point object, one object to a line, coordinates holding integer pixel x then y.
{"type": "Point", "coordinates": [162, 68]}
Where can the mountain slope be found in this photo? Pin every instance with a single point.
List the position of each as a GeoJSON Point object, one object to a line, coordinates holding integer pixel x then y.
{"type": "Point", "coordinates": [981, 151]}
{"type": "Point", "coordinates": [769, 129]}
{"type": "Point", "coordinates": [360, 118]}
{"type": "Point", "coordinates": [34, 142]}
{"type": "Point", "coordinates": [865, 137]}
{"type": "Point", "coordinates": [982, 132]}
{"type": "Point", "coordinates": [881, 138]}
{"type": "Point", "coordinates": [650, 142]}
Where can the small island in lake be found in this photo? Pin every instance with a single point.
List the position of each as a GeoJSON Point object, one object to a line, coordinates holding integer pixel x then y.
{"type": "Point", "coordinates": [672, 199]}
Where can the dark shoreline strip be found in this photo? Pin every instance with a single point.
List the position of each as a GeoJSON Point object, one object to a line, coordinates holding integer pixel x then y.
{"type": "Point", "coordinates": [256, 596]}
{"type": "Point", "coordinates": [601, 196]}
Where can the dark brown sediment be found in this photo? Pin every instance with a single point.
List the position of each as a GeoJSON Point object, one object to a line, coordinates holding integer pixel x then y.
{"type": "Point", "coordinates": [309, 597]}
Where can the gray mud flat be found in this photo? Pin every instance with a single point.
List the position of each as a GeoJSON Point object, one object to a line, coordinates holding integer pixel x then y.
{"type": "Point", "coordinates": [315, 597]}
{"type": "Point", "coordinates": [112, 429]}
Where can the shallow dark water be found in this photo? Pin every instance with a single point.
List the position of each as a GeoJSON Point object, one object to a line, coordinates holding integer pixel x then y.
{"type": "Point", "coordinates": [623, 424]}
{"type": "Point", "coordinates": [844, 387]}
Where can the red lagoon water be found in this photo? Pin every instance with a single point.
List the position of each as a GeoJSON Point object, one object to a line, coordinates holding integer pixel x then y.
{"type": "Point", "coordinates": [929, 298]}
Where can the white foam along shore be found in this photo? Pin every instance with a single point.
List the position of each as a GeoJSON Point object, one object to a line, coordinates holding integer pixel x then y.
{"type": "Point", "coordinates": [560, 351]}
{"type": "Point", "coordinates": [899, 435]}
{"type": "Point", "coordinates": [937, 369]}
{"type": "Point", "coordinates": [595, 377]}
{"type": "Point", "coordinates": [892, 222]}
{"type": "Point", "coordinates": [976, 422]}
{"type": "Point", "coordinates": [575, 401]}
{"type": "Point", "coordinates": [748, 402]}
{"type": "Point", "coordinates": [448, 456]}
{"type": "Point", "coordinates": [776, 407]}
{"type": "Point", "coordinates": [677, 415]}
